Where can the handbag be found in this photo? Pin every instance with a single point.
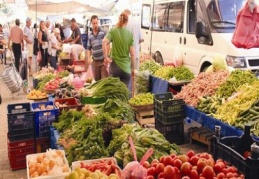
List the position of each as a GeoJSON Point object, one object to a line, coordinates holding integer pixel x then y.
{"type": "Point", "coordinates": [39, 56]}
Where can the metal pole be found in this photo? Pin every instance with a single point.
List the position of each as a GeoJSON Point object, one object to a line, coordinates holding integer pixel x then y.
{"type": "Point", "coordinates": [151, 28]}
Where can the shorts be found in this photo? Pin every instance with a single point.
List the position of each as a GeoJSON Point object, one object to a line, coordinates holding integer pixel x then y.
{"type": "Point", "coordinates": [29, 50]}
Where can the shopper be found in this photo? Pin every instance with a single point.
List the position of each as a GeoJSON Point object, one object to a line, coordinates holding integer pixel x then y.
{"type": "Point", "coordinates": [122, 65]}
{"type": "Point", "coordinates": [74, 51]}
{"type": "Point", "coordinates": [76, 34]}
{"type": "Point", "coordinates": [43, 41]}
{"type": "Point", "coordinates": [2, 44]}
{"type": "Point", "coordinates": [36, 42]}
{"type": "Point", "coordinates": [29, 39]}
{"type": "Point", "coordinates": [133, 26]}
{"type": "Point", "coordinates": [16, 36]}
{"type": "Point", "coordinates": [54, 43]}
{"type": "Point", "coordinates": [94, 48]}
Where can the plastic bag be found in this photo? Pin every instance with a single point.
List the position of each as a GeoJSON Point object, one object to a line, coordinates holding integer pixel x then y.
{"type": "Point", "coordinates": [178, 58]}
{"type": "Point", "coordinates": [135, 169]}
{"type": "Point", "coordinates": [142, 82]}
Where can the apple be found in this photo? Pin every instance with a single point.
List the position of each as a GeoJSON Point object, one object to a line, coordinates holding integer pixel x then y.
{"type": "Point", "coordinates": [186, 168]}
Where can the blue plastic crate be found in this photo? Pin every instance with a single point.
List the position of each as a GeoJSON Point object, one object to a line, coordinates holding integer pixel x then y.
{"type": "Point", "coordinates": [20, 122]}
{"type": "Point", "coordinates": [44, 118]}
{"type": "Point", "coordinates": [54, 136]}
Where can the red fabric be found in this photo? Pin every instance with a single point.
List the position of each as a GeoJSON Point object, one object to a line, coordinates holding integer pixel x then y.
{"type": "Point", "coordinates": [246, 34]}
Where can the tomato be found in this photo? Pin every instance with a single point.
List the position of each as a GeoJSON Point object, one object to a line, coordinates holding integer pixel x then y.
{"type": "Point", "coordinates": [208, 172]}
{"type": "Point", "coordinates": [186, 177]}
{"type": "Point", "coordinates": [177, 163]}
{"type": "Point", "coordinates": [186, 168]}
{"type": "Point", "coordinates": [162, 159]}
{"type": "Point", "coordinates": [194, 174]}
{"type": "Point", "coordinates": [173, 155]}
{"type": "Point", "coordinates": [201, 164]}
{"type": "Point", "coordinates": [194, 160]}
{"type": "Point", "coordinates": [246, 154]}
{"type": "Point", "coordinates": [183, 158]}
{"type": "Point", "coordinates": [168, 160]}
{"type": "Point", "coordinates": [159, 168]}
{"type": "Point", "coordinates": [146, 164]}
{"type": "Point", "coordinates": [190, 153]}
{"type": "Point", "coordinates": [151, 171]}
{"type": "Point", "coordinates": [169, 171]}
{"type": "Point", "coordinates": [230, 175]}
{"type": "Point", "coordinates": [221, 175]}
{"type": "Point", "coordinates": [232, 169]}
{"type": "Point", "coordinates": [210, 162]}
{"type": "Point", "coordinates": [218, 168]}
{"type": "Point", "coordinates": [150, 177]}
{"type": "Point", "coordinates": [161, 175]}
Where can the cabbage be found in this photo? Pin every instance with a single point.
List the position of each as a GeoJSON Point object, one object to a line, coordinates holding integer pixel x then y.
{"type": "Point", "coordinates": [219, 63]}
{"type": "Point", "coordinates": [210, 69]}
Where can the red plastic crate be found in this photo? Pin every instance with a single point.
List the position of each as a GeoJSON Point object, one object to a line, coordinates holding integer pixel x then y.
{"type": "Point", "coordinates": [70, 102]}
{"type": "Point", "coordinates": [42, 144]}
{"type": "Point", "coordinates": [79, 66]}
{"type": "Point", "coordinates": [17, 152]}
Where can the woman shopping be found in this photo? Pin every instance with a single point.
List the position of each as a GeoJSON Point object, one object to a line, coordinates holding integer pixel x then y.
{"type": "Point", "coordinates": [43, 42]}
{"type": "Point", "coordinates": [122, 65]}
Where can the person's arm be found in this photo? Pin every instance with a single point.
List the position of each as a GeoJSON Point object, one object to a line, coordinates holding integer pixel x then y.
{"type": "Point", "coordinates": [77, 36]}
{"type": "Point", "coordinates": [105, 47]}
{"type": "Point", "coordinates": [40, 38]}
{"type": "Point", "coordinates": [25, 37]}
{"type": "Point", "coordinates": [132, 56]}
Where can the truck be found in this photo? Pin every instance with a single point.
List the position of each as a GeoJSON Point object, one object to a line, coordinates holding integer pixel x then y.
{"type": "Point", "coordinates": [197, 31]}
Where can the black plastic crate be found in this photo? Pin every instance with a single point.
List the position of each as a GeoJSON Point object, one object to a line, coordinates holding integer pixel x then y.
{"type": "Point", "coordinates": [226, 148]}
{"type": "Point", "coordinates": [167, 109]}
{"type": "Point", "coordinates": [20, 122]}
{"type": "Point", "coordinates": [173, 132]}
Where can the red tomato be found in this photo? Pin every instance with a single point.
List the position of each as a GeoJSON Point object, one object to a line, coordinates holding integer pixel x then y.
{"type": "Point", "coordinates": [183, 158]}
{"type": "Point", "coordinates": [232, 169]}
{"type": "Point", "coordinates": [221, 175]}
{"type": "Point", "coordinates": [190, 153]}
{"type": "Point", "coordinates": [194, 174]}
{"type": "Point", "coordinates": [211, 162]}
{"type": "Point", "coordinates": [186, 168]}
{"type": "Point", "coordinates": [186, 177]}
{"type": "Point", "coordinates": [173, 156]}
{"type": "Point", "coordinates": [169, 171]}
{"type": "Point", "coordinates": [218, 168]}
{"type": "Point", "coordinates": [151, 171]}
{"type": "Point", "coordinates": [162, 159]}
{"type": "Point", "coordinates": [161, 175]}
{"type": "Point", "coordinates": [159, 168]}
{"type": "Point", "coordinates": [168, 161]}
{"type": "Point", "coordinates": [177, 163]}
{"type": "Point", "coordinates": [201, 164]}
{"type": "Point", "coordinates": [150, 177]}
{"type": "Point", "coordinates": [146, 164]}
{"type": "Point", "coordinates": [230, 175]}
{"type": "Point", "coordinates": [208, 172]}
{"type": "Point", "coordinates": [194, 160]}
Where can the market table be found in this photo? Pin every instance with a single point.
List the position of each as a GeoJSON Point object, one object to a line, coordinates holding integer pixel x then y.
{"type": "Point", "coordinates": [210, 122]}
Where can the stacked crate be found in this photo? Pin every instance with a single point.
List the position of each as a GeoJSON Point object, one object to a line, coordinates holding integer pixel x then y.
{"type": "Point", "coordinates": [20, 134]}
{"type": "Point", "coordinates": [169, 117]}
{"type": "Point", "coordinates": [44, 117]}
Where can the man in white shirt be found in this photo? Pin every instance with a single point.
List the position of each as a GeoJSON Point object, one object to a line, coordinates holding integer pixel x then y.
{"type": "Point", "coordinates": [54, 46]}
{"type": "Point", "coordinates": [133, 26]}
{"type": "Point", "coordinates": [28, 38]}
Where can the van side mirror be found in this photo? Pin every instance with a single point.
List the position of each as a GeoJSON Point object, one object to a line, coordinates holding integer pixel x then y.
{"type": "Point", "coordinates": [201, 30]}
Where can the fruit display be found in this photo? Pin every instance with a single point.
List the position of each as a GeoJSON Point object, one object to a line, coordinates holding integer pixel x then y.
{"type": "Point", "coordinates": [50, 163]}
{"type": "Point", "coordinates": [82, 173]}
{"type": "Point", "coordinates": [43, 72]}
{"type": "Point", "coordinates": [142, 99]}
{"type": "Point", "coordinates": [36, 94]}
{"type": "Point", "coordinates": [190, 166]}
{"type": "Point", "coordinates": [52, 84]}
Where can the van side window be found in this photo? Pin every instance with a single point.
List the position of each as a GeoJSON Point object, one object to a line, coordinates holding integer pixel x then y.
{"type": "Point", "coordinates": [192, 16]}
{"type": "Point", "coordinates": [175, 17]}
{"type": "Point", "coordinates": [158, 18]}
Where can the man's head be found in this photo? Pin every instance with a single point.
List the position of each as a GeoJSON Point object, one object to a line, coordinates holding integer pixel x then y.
{"type": "Point", "coordinates": [47, 24]}
{"type": "Point", "coordinates": [94, 22]}
{"type": "Point", "coordinates": [17, 22]}
{"type": "Point", "coordinates": [28, 21]}
{"type": "Point", "coordinates": [56, 31]}
{"type": "Point", "coordinates": [127, 11]}
{"type": "Point", "coordinates": [73, 24]}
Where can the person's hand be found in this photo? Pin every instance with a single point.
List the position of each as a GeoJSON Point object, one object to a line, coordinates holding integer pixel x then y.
{"type": "Point", "coordinates": [106, 61]}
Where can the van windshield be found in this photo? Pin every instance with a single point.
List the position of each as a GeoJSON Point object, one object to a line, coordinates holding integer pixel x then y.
{"type": "Point", "coordinates": [223, 13]}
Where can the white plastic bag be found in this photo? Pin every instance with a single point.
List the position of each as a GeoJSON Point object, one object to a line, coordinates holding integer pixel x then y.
{"type": "Point", "coordinates": [12, 79]}
{"type": "Point", "coordinates": [178, 58]}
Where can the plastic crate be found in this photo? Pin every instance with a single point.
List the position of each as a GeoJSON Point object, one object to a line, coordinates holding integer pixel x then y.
{"type": "Point", "coordinates": [17, 152]}
{"type": "Point", "coordinates": [20, 122]}
{"type": "Point", "coordinates": [42, 144]}
{"type": "Point", "coordinates": [54, 136]}
{"type": "Point", "coordinates": [70, 102]}
{"type": "Point", "coordinates": [173, 132]}
{"type": "Point", "coordinates": [167, 109]}
{"type": "Point", "coordinates": [226, 148]}
{"type": "Point", "coordinates": [79, 66]}
{"type": "Point", "coordinates": [35, 83]}
{"type": "Point", "coordinates": [44, 118]}
{"type": "Point", "coordinates": [92, 100]}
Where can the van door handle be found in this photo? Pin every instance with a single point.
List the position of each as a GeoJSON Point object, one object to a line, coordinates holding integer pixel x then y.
{"type": "Point", "coordinates": [180, 40]}
{"type": "Point", "coordinates": [146, 32]}
{"type": "Point", "coordinates": [184, 40]}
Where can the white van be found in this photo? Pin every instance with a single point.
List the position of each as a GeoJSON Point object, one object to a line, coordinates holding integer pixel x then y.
{"type": "Point", "coordinates": [198, 29]}
{"type": "Point", "coordinates": [106, 23]}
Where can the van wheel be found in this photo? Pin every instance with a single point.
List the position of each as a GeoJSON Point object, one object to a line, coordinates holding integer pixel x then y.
{"type": "Point", "coordinates": [158, 58]}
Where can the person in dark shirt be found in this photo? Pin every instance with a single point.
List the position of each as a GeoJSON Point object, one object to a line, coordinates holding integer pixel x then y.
{"type": "Point", "coordinates": [76, 34]}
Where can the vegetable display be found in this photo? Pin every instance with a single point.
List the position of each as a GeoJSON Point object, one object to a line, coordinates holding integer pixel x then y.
{"type": "Point", "coordinates": [149, 65]}
{"type": "Point", "coordinates": [165, 72]}
{"type": "Point", "coordinates": [182, 73]}
{"type": "Point", "coordinates": [204, 84]}
{"type": "Point", "coordinates": [142, 99]}
{"type": "Point", "coordinates": [142, 81]}
{"type": "Point", "coordinates": [236, 79]}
